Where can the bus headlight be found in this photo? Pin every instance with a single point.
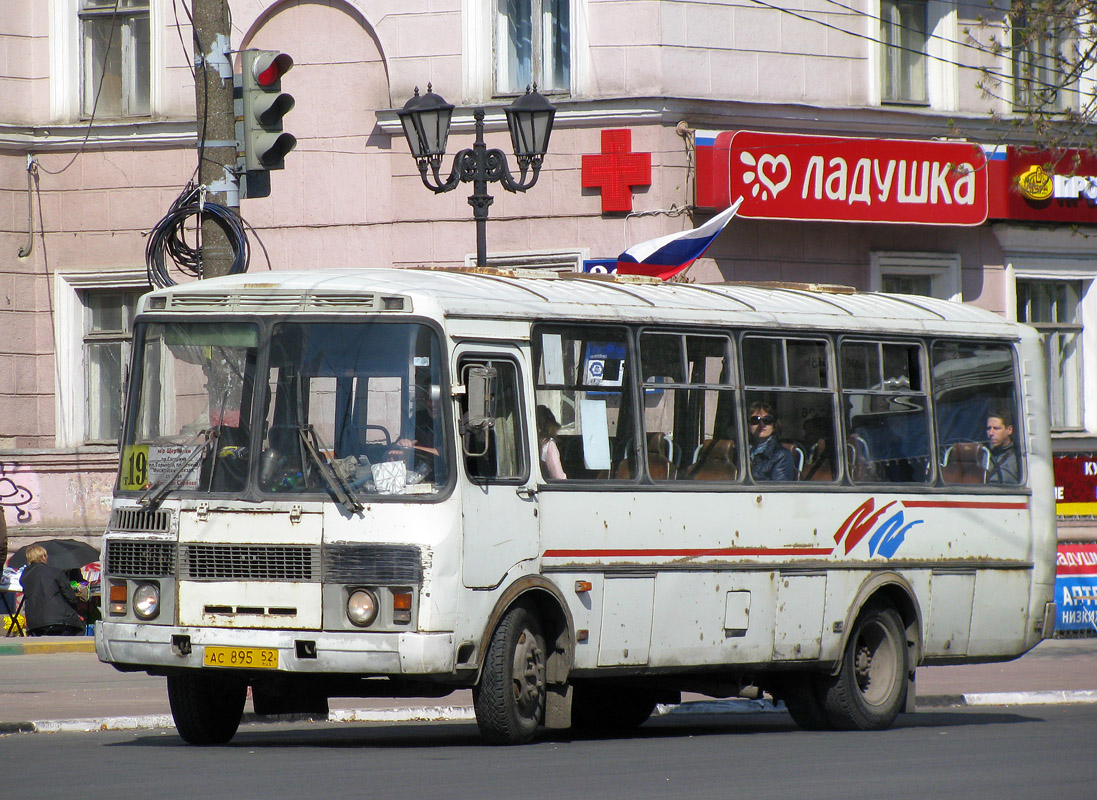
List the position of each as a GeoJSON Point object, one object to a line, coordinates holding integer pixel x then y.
{"type": "Point", "coordinates": [362, 607]}
{"type": "Point", "coordinates": [146, 600]}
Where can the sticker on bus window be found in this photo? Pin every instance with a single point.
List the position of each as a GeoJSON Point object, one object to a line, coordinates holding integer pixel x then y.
{"type": "Point", "coordinates": [144, 465]}
{"type": "Point", "coordinates": [604, 364]}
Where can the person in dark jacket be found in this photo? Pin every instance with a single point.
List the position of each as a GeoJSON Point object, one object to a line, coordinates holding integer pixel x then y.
{"type": "Point", "coordinates": [1005, 460]}
{"type": "Point", "coordinates": [769, 461]}
{"type": "Point", "coordinates": [49, 600]}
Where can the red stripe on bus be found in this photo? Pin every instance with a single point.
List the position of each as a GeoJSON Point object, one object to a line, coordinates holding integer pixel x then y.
{"type": "Point", "coordinates": [962, 504]}
{"type": "Point", "coordinates": [743, 551]}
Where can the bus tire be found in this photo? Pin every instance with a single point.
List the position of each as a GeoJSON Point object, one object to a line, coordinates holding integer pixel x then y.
{"type": "Point", "coordinates": [870, 688]}
{"type": "Point", "coordinates": [510, 697]}
{"type": "Point", "coordinates": [801, 694]}
{"type": "Point", "coordinates": [206, 708]}
{"type": "Point", "coordinates": [599, 706]}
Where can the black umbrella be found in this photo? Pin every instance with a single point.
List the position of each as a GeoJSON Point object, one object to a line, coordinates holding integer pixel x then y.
{"type": "Point", "coordinates": [64, 554]}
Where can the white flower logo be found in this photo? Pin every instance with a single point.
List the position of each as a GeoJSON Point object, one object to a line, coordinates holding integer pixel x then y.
{"type": "Point", "coordinates": [766, 170]}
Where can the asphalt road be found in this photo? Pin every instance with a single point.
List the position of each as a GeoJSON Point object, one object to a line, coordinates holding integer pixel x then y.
{"type": "Point", "coordinates": [994, 753]}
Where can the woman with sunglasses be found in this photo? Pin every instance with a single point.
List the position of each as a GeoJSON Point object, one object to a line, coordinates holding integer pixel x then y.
{"type": "Point", "coordinates": [769, 461]}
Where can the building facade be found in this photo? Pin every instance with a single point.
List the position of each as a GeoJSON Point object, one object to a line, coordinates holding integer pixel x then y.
{"type": "Point", "coordinates": [655, 99]}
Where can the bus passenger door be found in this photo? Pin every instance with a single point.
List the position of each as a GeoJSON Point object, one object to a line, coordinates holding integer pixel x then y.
{"type": "Point", "coordinates": [499, 517]}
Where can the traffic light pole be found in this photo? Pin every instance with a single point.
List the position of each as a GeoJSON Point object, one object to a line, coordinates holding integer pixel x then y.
{"type": "Point", "coordinates": [217, 147]}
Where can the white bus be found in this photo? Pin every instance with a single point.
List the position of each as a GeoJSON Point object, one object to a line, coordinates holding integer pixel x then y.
{"type": "Point", "coordinates": [577, 497]}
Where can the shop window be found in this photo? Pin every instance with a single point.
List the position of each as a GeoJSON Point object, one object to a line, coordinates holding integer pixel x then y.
{"type": "Point", "coordinates": [926, 274]}
{"type": "Point", "coordinates": [903, 39]}
{"type": "Point", "coordinates": [532, 45]}
{"type": "Point", "coordinates": [115, 62]}
{"type": "Point", "coordinates": [1043, 75]}
{"type": "Point", "coordinates": [1054, 309]}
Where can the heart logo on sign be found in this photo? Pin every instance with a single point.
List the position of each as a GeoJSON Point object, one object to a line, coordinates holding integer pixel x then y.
{"type": "Point", "coordinates": [773, 174]}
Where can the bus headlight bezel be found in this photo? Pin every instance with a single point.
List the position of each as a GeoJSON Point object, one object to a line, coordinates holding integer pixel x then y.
{"type": "Point", "coordinates": [362, 607]}
{"type": "Point", "coordinates": [146, 601]}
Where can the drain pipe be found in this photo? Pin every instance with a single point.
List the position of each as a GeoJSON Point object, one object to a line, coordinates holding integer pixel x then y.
{"type": "Point", "coordinates": [32, 168]}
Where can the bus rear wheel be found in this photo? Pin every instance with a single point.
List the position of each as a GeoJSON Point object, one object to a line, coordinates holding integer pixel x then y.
{"type": "Point", "coordinates": [206, 708]}
{"type": "Point", "coordinates": [510, 697]}
{"type": "Point", "coordinates": [870, 688]}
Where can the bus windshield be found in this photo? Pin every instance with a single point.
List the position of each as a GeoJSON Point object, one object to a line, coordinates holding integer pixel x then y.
{"type": "Point", "coordinates": [347, 409]}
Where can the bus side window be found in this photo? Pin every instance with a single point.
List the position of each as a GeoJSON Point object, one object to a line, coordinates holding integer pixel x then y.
{"type": "Point", "coordinates": [583, 379]}
{"type": "Point", "coordinates": [979, 438]}
{"type": "Point", "coordinates": [689, 401]}
{"type": "Point", "coordinates": [498, 453]}
{"type": "Point", "coordinates": [885, 407]}
{"type": "Point", "coordinates": [790, 380]}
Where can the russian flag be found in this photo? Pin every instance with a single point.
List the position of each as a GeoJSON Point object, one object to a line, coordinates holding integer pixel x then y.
{"type": "Point", "coordinates": [666, 256]}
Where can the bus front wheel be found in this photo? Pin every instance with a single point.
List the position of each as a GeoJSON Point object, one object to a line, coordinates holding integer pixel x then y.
{"type": "Point", "coordinates": [510, 697]}
{"type": "Point", "coordinates": [869, 690]}
{"type": "Point", "coordinates": [206, 708]}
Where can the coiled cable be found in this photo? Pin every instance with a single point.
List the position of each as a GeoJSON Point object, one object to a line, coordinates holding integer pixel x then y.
{"type": "Point", "coordinates": [169, 236]}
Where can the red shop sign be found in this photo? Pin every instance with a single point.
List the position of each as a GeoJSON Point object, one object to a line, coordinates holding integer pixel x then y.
{"type": "Point", "coordinates": [1044, 186]}
{"type": "Point", "coordinates": [843, 179]}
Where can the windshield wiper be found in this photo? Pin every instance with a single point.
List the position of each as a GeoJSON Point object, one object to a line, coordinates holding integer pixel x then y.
{"type": "Point", "coordinates": [152, 497]}
{"type": "Point", "coordinates": [343, 493]}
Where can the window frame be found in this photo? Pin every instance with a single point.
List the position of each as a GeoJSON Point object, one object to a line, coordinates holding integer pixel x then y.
{"type": "Point", "coordinates": [942, 54]}
{"type": "Point", "coordinates": [1077, 326]}
{"type": "Point", "coordinates": [903, 54]}
{"type": "Point", "coordinates": [70, 375]}
{"type": "Point", "coordinates": [1031, 57]}
{"type": "Point", "coordinates": [463, 359]}
{"type": "Point", "coordinates": [537, 58]}
{"type": "Point", "coordinates": [943, 269]}
{"type": "Point", "coordinates": [129, 14]}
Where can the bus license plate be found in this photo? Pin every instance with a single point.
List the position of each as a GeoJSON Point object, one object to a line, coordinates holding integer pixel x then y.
{"type": "Point", "coordinates": [241, 657]}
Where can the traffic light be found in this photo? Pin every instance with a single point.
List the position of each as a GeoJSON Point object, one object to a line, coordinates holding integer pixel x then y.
{"type": "Point", "coordinates": [264, 105]}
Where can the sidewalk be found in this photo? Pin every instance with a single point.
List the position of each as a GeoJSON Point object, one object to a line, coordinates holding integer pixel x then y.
{"type": "Point", "coordinates": [58, 684]}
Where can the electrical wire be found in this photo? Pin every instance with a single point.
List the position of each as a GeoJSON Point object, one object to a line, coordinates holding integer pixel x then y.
{"type": "Point", "coordinates": [168, 236]}
{"type": "Point", "coordinates": [983, 70]}
{"type": "Point", "coordinates": [98, 91]}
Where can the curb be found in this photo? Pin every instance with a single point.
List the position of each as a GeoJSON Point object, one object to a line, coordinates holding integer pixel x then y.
{"type": "Point", "coordinates": [467, 714]}
{"type": "Point", "coordinates": [19, 646]}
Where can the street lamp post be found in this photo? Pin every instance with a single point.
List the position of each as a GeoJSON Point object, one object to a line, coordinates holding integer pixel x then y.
{"type": "Point", "coordinates": [426, 122]}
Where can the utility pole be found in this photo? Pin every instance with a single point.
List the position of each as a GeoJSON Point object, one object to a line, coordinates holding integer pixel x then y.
{"type": "Point", "coordinates": [217, 148]}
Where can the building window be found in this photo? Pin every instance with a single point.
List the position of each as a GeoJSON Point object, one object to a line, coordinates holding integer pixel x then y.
{"type": "Point", "coordinates": [1054, 309]}
{"type": "Point", "coordinates": [532, 45]}
{"type": "Point", "coordinates": [115, 58]}
{"type": "Point", "coordinates": [108, 325]}
{"type": "Point", "coordinates": [1043, 77]}
{"type": "Point", "coordinates": [926, 274]}
{"type": "Point", "coordinates": [903, 25]}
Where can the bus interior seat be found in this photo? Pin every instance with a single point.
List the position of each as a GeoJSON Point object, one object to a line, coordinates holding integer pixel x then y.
{"type": "Point", "coordinates": [860, 462]}
{"type": "Point", "coordinates": [661, 457]}
{"type": "Point", "coordinates": [798, 457]}
{"type": "Point", "coordinates": [715, 460]}
{"type": "Point", "coordinates": [965, 462]}
{"type": "Point", "coordinates": [819, 465]}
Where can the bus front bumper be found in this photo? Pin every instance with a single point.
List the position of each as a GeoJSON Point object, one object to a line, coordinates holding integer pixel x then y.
{"type": "Point", "coordinates": [159, 648]}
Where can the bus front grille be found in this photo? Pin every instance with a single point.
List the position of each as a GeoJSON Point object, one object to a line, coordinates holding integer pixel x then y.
{"type": "Point", "coordinates": [240, 562]}
{"type": "Point", "coordinates": [141, 520]}
{"type": "Point", "coordinates": [139, 559]}
{"type": "Point", "coordinates": [372, 563]}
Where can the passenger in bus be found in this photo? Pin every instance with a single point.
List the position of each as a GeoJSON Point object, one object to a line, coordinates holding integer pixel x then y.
{"type": "Point", "coordinates": [547, 426]}
{"type": "Point", "coordinates": [769, 461]}
{"type": "Point", "coordinates": [1005, 461]}
{"type": "Point", "coordinates": [418, 449]}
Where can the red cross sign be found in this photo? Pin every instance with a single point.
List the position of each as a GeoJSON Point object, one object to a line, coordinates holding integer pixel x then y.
{"type": "Point", "coordinates": [616, 170]}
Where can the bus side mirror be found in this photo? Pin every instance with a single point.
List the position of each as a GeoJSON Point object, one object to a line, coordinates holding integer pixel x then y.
{"type": "Point", "coordinates": [479, 417]}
